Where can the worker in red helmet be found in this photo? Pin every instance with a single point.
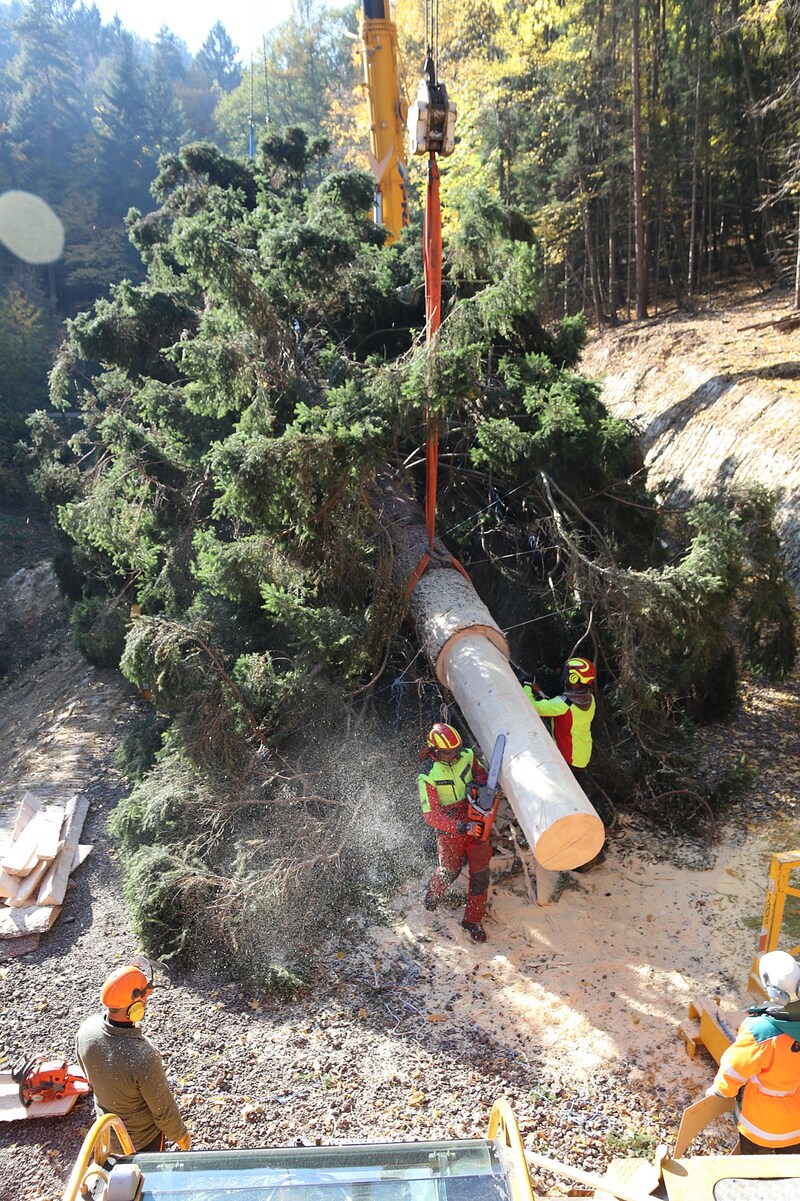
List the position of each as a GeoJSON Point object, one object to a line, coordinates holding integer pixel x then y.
{"type": "Point", "coordinates": [449, 769]}
{"type": "Point", "coordinates": [124, 1068]}
{"type": "Point", "coordinates": [571, 712]}
{"type": "Point", "coordinates": [570, 715]}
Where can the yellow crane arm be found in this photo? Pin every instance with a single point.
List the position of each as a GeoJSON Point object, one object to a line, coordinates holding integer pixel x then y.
{"type": "Point", "coordinates": [387, 113]}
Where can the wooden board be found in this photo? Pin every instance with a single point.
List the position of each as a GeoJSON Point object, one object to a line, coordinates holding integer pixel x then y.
{"type": "Point", "coordinates": [31, 919]}
{"type": "Point", "coordinates": [54, 885]}
{"type": "Point", "coordinates": [50, 840]}
{"type": "Point", "coordinates": [29, 807]}
{"type": "Point", "coordinates": [13, 948]}
{"type": "Point", "coordinates": [696, 1117]}
{"type": "Point", "coordinates": [43, 829]}
{"type": "Point", "coordinates": [12, 1109]}
{"type": "Point", "coordinates": [29, 887]}
{"type": "Point", "coordinates": [82, 853]}
{"type": "Point", "coordinates": [9, 885]}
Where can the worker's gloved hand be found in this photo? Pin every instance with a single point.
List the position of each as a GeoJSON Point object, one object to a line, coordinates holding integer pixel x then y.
{"type": "Point", "coordinates": [473, 829]}
{"type": "Point", "coordinates": [712, 1092]}
{"type": "Point", "coordinates": [184, 1142]}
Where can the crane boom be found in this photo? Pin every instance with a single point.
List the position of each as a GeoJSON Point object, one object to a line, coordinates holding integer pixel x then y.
{"type": "Point", "coordinates": [387, 111]}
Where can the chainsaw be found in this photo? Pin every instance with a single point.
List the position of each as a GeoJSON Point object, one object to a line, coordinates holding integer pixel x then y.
{"type": "Point", "coordinates": [483, 799]}
{"type": "Point", "coordinates": [44, 1080]}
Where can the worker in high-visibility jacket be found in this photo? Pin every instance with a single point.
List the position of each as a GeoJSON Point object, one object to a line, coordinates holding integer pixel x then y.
{"type": "Point", "coordinates": [761, 1069]}
{"type": "Point", "coordinates": [571, 713]}
{"type": "Point", "coordinates": [449, 769]}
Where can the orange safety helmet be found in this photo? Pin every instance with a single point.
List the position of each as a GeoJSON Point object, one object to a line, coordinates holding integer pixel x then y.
{"type": "Point", "coordinates": [579, 671]}
{"type": "Point", "coordinates": [444, 738]}
{"type": "Point", "coordinates": [128, 987]}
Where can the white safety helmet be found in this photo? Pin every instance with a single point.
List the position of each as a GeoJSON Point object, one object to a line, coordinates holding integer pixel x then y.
{"type": "Point", "coordinates": [780, 976]}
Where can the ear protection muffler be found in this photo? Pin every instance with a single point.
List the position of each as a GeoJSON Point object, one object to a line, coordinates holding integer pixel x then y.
{"type": "Point", "coordinates": [137, 1007]}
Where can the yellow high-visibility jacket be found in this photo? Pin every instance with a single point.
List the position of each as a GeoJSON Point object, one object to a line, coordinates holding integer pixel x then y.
{"type": "Point", "coordinates": [443, 789]}
{"type": "Point", "coordinates": [571, 723]}
{"type": "Point", "coordinates": [762, 1070]}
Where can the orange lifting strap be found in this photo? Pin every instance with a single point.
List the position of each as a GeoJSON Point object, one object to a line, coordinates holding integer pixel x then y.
{"type": "Point", "coordinates": [432, 260]}
{"type": "Point", "coordinates": [432, 257]}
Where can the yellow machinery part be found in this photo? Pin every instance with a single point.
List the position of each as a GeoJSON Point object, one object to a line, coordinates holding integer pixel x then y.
{"type": "Point", "coordinates": [386, 109]}
{"type": "Point", "coordinates": [705, 1026]}
{"type": "Point", "coordinates": [95, 1151]}
{"type": "Point", "coordinates": [504, 1130]}
{"type": "Point", "coordinates": [780, 869]}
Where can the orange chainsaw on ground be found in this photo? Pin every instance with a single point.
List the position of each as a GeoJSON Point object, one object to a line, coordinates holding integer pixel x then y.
{"type": "Point", "coordinates": [483, 799]}
{"type": "Point", "coordinates": [44, 1080]}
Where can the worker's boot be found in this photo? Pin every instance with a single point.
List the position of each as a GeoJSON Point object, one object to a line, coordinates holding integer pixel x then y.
{"type": "Point", "coordinates": [475, 930]}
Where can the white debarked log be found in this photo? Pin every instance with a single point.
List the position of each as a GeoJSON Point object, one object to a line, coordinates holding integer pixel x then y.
{"type": "Point", "coordinates": [469, 654]}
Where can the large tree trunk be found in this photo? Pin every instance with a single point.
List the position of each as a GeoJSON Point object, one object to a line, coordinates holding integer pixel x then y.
{"type": "Point", "coordinates": [638, 196]}
{"type": "Point", "coordinates": [469, 654]}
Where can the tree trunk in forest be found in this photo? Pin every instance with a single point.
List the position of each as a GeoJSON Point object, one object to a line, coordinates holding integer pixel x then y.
{"type": "Point", "coordinates": [612, 178]}
{"type": "Point", "coordinates": [469, 655]}
{"type": "Point", "coordinates": [772, 248]}
{"type": "Point", "coordinates": [797, 266]}
{"type": "Point", "coordinates": [641, 260]}
{"type": "Point", "coordinates": [690, 280]}
{"type": "Point", "coordinates": [590, 255]}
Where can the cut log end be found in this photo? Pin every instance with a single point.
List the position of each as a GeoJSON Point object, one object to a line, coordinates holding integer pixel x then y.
{"type": "Point", "coordinates": [570, 842]}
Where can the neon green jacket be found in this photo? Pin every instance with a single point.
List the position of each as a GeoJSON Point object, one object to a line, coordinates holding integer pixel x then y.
{"type": "Point", "coordinates": [571, 723]}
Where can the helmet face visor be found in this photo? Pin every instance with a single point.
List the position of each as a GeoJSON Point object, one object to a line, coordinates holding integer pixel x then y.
{"type": "Point", "coordinates": [446, 756]}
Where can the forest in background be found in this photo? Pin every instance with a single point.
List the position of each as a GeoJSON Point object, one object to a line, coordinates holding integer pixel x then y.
{"type": "Point", "coordinates": [233, 378]}
{"type": "Point", "coordinates": [652, 149]}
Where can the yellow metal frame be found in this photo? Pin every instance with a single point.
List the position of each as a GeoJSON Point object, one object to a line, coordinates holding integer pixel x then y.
{"type": "Point", "coordinates": [386, 107]}
{"type": "Point", "coordinates": [778, 889]}
{"type": "Point", "coordinates": [504, 1130]}
{"type": "Point", "coordinates": [95, 1151]}
{"type": "Point", "coordinates": [704, 1026]}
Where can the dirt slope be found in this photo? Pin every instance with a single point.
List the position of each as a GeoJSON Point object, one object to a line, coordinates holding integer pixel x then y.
{"type": "Point", "coordinates": [717, 402]}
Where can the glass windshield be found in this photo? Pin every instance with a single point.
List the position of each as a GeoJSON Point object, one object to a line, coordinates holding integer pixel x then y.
{"type": "Point", "coordinates": [466, 1171]}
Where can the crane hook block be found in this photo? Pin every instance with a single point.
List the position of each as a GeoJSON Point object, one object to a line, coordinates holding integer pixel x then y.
{"type": "Point", "coordinates": [432, 120]}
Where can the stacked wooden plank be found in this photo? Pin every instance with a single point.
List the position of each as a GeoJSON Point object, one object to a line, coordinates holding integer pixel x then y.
{"type": "Point", "coordinates": [34, 870]}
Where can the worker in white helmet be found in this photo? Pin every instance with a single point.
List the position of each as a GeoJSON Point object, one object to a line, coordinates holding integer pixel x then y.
{"type": "Point", "coordinates": [761, 1069]}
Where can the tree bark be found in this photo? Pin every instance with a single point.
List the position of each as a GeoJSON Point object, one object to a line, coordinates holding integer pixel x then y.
{"type": "Point", "coordinates": [797, 266]}
{"type": "Point", "coordinates": [641, 259]}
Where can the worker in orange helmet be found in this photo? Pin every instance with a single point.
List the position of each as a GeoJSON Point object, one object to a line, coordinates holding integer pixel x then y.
{"type": "Point", "coordinates": [760, 1069]}
{"type": "Point", "coordinates": [124, 1068]}
{"type": "Point", "coordinates": [572, 712]}
{"type": "Point", "coordinates": [449, 769]}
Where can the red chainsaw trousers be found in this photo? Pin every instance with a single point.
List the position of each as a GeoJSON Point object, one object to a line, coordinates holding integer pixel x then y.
{"type": "Point", "coordinates": [453, 850]}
